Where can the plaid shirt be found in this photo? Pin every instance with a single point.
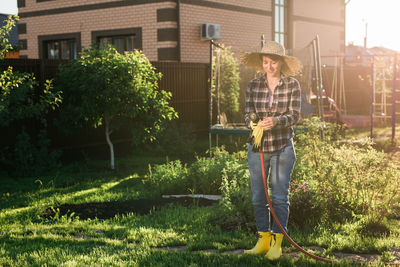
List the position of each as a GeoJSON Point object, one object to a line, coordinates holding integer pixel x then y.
{"type": "Point", "coordinates": [285, 106]}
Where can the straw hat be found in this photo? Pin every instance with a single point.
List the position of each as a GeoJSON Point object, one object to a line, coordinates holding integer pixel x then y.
{"type": "Point", "coordinates": [291, 66]}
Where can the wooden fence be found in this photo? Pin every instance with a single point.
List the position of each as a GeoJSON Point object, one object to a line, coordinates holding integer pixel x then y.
{"type": "Point", "coordinates": [188, 83]}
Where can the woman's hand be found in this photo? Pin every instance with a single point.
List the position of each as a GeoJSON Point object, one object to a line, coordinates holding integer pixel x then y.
{"type": "Point", "coordinates": [268, 123]}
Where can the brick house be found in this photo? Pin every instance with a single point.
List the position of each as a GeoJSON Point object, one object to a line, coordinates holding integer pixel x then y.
{"type": "Point", "coordinates": [169, 30]}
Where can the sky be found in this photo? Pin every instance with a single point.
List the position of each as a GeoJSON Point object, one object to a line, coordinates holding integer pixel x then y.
{"type": "Point", "coordinates": [380, 17]}
{"type": "Point", "coordinates": [8, 7]}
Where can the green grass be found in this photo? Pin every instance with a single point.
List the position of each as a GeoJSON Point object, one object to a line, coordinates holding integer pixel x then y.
{"type": "Point", "coordinates": [27, 239]}
{"type": "Point", "coordinates": [378, 131]}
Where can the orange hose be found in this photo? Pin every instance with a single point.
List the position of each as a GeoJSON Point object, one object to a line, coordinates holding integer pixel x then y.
{"type": "Point", "coordinates": [276, 219]}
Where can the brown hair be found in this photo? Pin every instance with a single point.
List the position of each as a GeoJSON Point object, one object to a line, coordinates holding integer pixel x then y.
{"type": "Point", "coordinates": [272, 56]}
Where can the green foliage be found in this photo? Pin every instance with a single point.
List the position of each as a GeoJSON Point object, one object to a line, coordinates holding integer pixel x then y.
{"type": "Point", "coordinates": [235, 206]}
{"type": "Point", "coordinates": [359, 179]}
{"type": "Point", "coordinates": [204, 176]}
{"type": "Point", "coordinates": [320, 205]}
{"type": "Point", "coordinates": [4, 32]}
{"type": "Point", "coordinates": [174, 140]}
{"type": "Point", "coordinates": [19, 99]}
{"type": "Point", "coordinates": [23, 100]}
{"type": "Point", "coordinates": [103, 86]}
{"type": "Point", "coordinates": [153, 239]}
{"type": "Point", "coordinates": [33, 158]}
{"type": "Point", "coordinates": [331, 183]}
{"type": "Point", "coordinates": [169, 178]}
{"type": "Point", "coordinates": [229, 89]}
{"type": "Point", "coordinates": [19, 103]}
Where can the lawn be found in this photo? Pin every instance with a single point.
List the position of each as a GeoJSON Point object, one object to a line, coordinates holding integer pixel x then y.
{"type": "Point", "coordinates": [85, 214]}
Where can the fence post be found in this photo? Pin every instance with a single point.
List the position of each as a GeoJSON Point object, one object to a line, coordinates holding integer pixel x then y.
{"type": "Point", "coordinates": [210, 96]}
{"type": "Point", "coordinates": [394, 97]}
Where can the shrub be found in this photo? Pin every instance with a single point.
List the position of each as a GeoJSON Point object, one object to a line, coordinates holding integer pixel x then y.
{"type": "Point", "coordinates": [175, 139]}
{"type": "Point", "coordinates": [312, 204]}
{"type": "Point", "coordinates": [23, 100]}
{"type": "Point", "coordinates": [360, 179]}
{"type": "Point", "coordinates": [236, 208]}
{"type": "Point", "coordinates": [169, 178]}
{"type": "Point", "coordinates": [204, 176]}
{"type": "Point", "coordinates": [32, 159]}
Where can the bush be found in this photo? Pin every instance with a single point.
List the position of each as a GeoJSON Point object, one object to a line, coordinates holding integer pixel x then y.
{"type": "Point", "coordinates": [33, 159]}
{"type": "Point", "coordinates": [359, 179]}
{"type": "Point", "coordinates": [169, 178]}
{"type": "Point", "coordinates": [316, 202]}
{"type": "Point", "coordinates": [236, 208]}
{"type": "Point", "coordinates": [175, 139]}
{"type": "Point", "coordinates": [204, 176]}
{"type": "Point", "coordinates": [23, 100]}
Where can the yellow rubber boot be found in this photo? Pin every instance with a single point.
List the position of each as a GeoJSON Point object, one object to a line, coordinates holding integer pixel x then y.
{"type": "Point", "coordinates": [275, 251]}
{"type": "Point", "coordinates": [263, 244]}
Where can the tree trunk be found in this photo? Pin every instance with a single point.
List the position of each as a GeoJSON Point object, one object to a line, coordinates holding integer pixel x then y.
{"type": "Point", "coordinates": [110, 144]}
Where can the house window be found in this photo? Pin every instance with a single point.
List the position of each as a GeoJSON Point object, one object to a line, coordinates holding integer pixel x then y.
{"type": "Point", "coordinates": [121, 43]}
{"type": "Point", "coordinates": [280, 14]}
{"type": "Point", "coordinates": [61, 49]}
{"type": "Point", "coordinates": [60, 46]}
{"type": "Point", "coordinates": [122, 39]}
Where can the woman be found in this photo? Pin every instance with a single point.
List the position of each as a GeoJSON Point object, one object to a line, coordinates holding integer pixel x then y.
{"type": "Point", "coordinates": [275, 98]}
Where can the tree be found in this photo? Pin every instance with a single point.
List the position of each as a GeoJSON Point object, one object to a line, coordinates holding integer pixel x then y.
{"type": "Point", "coordinates": [227, 68]}
{"type": "Point", "coordinates": [23, 99]}
{"type": "Point", "coordinates": [5, 30]}
{"type": "Point", "coordinates": [106, 88]}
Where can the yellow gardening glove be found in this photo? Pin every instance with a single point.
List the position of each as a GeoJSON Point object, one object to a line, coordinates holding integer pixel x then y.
{"type": "Point", "coordinates": [257, 133]}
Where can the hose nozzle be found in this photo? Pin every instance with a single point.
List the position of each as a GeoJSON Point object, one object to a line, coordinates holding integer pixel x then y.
{"type": "Point", "coordinates": [253, 117]}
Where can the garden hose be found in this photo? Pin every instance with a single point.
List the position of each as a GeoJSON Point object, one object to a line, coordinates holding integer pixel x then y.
{"type": "Point", "coordinates": [257, 134]}
{"type": "Point", "coordinates": [276, 219]}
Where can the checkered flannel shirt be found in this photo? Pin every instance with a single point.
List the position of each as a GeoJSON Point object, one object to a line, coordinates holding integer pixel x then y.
{"type": "Point", "coordinates": [285, 106]}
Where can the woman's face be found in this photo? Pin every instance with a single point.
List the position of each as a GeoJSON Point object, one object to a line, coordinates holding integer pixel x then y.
{"type": "Point", "coordinates": [271, 67]}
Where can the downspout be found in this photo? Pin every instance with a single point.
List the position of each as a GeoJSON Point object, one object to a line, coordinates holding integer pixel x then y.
{"type": "Point", "coordinates": [178, 14]}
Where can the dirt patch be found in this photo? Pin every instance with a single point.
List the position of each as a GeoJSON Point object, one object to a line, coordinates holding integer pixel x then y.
{"type": "Point", "coordinates": [107, 210]}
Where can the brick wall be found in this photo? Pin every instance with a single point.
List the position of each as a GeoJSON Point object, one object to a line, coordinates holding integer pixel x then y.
{"type": "Point", "coordinates": [241, 30]}
{"type": "Point", "coordinates": [142, 16]}
{"type": "Point", "coordinates": [242, 24]}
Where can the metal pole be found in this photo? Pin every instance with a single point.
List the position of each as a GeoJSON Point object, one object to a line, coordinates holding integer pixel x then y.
{"type": "Point", "coordinates": [316, 75]}
{"type": "Point", "coordinates": [210, 98]}
{"type": "Point", "coordinates": [317, 66]}
{"type": "Point", "coordinates": [372, 97]}
{"type": "Point", "coordinates": [321, 106]}
{"type": "Point", "coordinates": [394, 97]}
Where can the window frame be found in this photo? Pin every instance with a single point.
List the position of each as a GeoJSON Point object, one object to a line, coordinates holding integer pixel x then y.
{"type": "Point", "coordinates": [280, 31]}
{"type": "Point", "coordinates": [137, 32]}
{"type": "Point", "coordinates": [43, 39]}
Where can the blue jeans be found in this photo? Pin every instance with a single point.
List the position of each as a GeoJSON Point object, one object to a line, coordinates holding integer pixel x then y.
{"type": "Point", "coordinates": [279, 165]}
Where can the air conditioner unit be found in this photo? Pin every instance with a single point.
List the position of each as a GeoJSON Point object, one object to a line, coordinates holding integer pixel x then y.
{"type": "Point", "coordinates": [209, 31]}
